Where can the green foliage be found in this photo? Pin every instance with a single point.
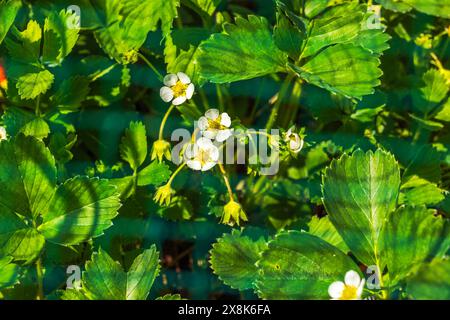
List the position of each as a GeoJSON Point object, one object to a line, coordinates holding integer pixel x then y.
{"type": "Point", "coordinates": [8, 12]}
{"type": "Point", "coordinates": [300, 266]}
{"type": "Point", "coordinates": [359, 192]}
{"type": "Point", "coordinates": [227, 57]}
{"type": "Point", "coordinates": [233, 259]}
{"type": "Point", "coordinates": [105, 279]}
{"type": "Point", "coordinates": [432, 282]}
{"type": "Point", "coordinates": [134, 145]}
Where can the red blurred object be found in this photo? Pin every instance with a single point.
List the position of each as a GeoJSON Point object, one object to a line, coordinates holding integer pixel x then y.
{"type": "Point", "coordinates": [3, 80]}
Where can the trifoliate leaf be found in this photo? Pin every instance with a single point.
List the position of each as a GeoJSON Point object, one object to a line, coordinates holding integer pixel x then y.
{"type": "Point", "coordinates": [60, 36]}
{"type": "Point", "coordinates": [344, 68]}
{"type": "Point", "coordinates": [133, 148]}
{"type": "Point", "coordinates": [154, 174]}
{"type": "Point", "coordinates": [82, 208]}
{"type": "Point", "coordinates": [104, 279]}
{"type": "Point", "coordinates": [28, 176]}
{"type": "Point", "coordinates": [32, 85]}
{"type": "Point", "coordinates": [300, 266]}
{"type": "Point", "coordinates": [233, 259]}
{"type": "Point", "coordinates": [20, 121]}
{"type": "Point", "coordinates": [9, 273]}
{"type": "Point", "coordinates": [244, 50]}
{"type": "Point", "coordinates": [410, 236]}
{"type": "Point", "coordinates": [432, 282]}
{"type": "Point", "coordinates": [324, 229]}
{"type": "Point", "coordinates": [359, 192]}
{"type": "Point", "coordinates": [71, 93]}
{"type": "Point", "coordinates": [8, 13]}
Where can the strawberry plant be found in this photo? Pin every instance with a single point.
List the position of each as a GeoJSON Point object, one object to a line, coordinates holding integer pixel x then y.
{"type": "Point", "coordinates": [203, 149]}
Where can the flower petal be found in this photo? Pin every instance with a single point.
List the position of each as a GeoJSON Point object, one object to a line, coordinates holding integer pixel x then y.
{"type": "Point", "coordinates": [183, 78]}
{"type": "Point", "coordinates": [208, 165]}
{"type": "Point", "coordinates": [166, 94]}
{"type": "Point", "coordinates": [190, 91]}
{"type": "Point", "coordinates": [204, 143]}
{"type": "Point", "coordinates": [212, 114]}
{"type": "Point", "coordinates": [223, 135]}
{"type": "Point", "coordinates": [202, 123]}
{"type": "Point", "coordinates": [225, 120]}
{"type": "Point", "coordinates": [214, 153]}
{"type": "Point", "coordinates": [190, 151]}
{"type": "Point", "coordinates": [170, 80]}
{"type": "Point", "coordinates": [194, 165]}
{"type": "Point", "coordinates": [180, 100]}
{"type": "Point", "coordinates": [335, 289]}
{"type": "Point", "coordinates": [210, 134]}
{"type": "Point", "coordinates": [352, 278]}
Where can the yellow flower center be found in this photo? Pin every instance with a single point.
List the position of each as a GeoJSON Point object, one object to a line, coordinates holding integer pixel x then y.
{"type": "Point", "coordinates": [349, 293]}
{"type": "Point", "coordinates": [203, 157]}
{"type": "Point", "coordinates": [215, 124]}
{"type": "Point", "coordinates": [179, 89]}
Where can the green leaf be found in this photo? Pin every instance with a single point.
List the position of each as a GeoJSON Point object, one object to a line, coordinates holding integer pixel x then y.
{"type": "Point", "coordinates": [324, 229]}
{"type": "Point", "coordinates": [433, 93]}
{"type": "Point", "coordinates": [20, 121]}
{"type": "Point", "coordinates": [444, 113]}
{"type": "Point", "coordinates": [104, 279]}
{"type": "Point", "coordinates": [410, 237]}
{"type": "Point", "coordinates": [9, 273]}
{"type": "Point", "coordinates": [300, 266]}
{"type": "Point", "coordinates": [71, 93]}
{"type": "Point", "coordinates": [233, 259]}
{"type": "Point", "coordinates": [60, 36]}
{"type": "Point", "coordinates": [359, 192]}
{"type": "Point", "coordinates": [432, 7]}
{"type": "Point", "coordinates": [28, 176]}
{"type": "Point", "coordinates": [170, 297]}
{"type": "Point", "coordinates": [82, 208]}
{"type": "Point", "coordinates": [432, 282]}
{"type": "Point", "coordinates": [133, 148]}
{"type": "Point", "coordinates": [339, 24]}
{"type": "Point", "coordinates": [126, 24]}
{"type": "Point", "coordinates": [244, 50]}
{"type": "Point", "coordinates": [344, 68]}
{"type": "Point", "coordinates": [8, 13]}
{"type": "Point", "coordinates": [32, 85]}
{"type": "Point", "coordinates": [25, 46]}
{"type": "Point", "coordinates": [17, 239]}
{"type": "Point", "coordinates": [154, 174]}
{"type": "Point", "coordinates": [288, 37]}
{"type": "Point", "coordinates": [426, 194]}
{"type": "Point", "coordinates": [186, 62]}
{"type": "Point", "coordinates": [209, 6]}
{"type": "Point", "coordinates": [395, 5]}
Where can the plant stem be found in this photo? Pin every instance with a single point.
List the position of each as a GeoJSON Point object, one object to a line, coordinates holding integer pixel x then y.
{"type": "Point", "coordinates": [38, 106]}
{"type": "Point", "coordinates": [276, 108]}
{"type": "Point", "coordinates": [172, 177]}
{"type": "Point", "coordinates": [151, 66]}
{"type": "Point", "coordinates": [163, 122]}
{"type": "Point", "coordinates": [40, 280]}
{"type": "Point", "coordinates": [103, 73]}
{"type": "Point", "coordinates": [226, 180]}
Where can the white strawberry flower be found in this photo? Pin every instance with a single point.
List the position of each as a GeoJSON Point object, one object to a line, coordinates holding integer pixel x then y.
{"type": "Point", "coordinates": [202, 155]}
{"type": "Point", "coordinates": [3, 135]}
{"type": "Point", "coordinates": [294, 140]}
{"type": "Point", "coordinates": [350, 289]}
{"type": "Point", "coordinates": [215, 125]}
{"type": "Point", "coordinates": [177, 88]}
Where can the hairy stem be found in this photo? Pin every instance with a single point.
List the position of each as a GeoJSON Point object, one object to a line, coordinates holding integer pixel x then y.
{"type": "Point", "coordinates": [151, 66]}
{"type": "Point", "coordinates": [226, 180]}
{"type": "Point", "coordinates": [276, 108]}
{"type": "Point", "coordinates": [40, 280]}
